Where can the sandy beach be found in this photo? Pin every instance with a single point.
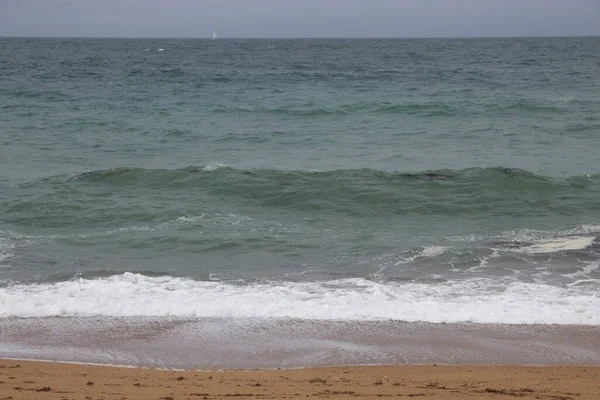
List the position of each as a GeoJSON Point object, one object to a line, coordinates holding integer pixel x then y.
{"type": "Point", "coordinates": [213, 359]}
{"type": "Point", "coordinates": [44, 380]}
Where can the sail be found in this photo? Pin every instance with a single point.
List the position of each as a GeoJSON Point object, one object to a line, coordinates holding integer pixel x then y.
{"type": "Point", "coordinates": [214, 35]}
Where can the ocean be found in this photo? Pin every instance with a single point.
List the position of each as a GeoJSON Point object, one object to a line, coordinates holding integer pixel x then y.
{"type": "Point", "coordinates": [367, 181]}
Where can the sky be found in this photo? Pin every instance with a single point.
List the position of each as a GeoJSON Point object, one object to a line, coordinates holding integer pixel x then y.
{"type": "Point", "coordinates": [299, 18]}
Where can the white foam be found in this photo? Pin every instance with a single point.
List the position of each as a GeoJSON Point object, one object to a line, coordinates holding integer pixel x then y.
{"type": "Point", "coordinates": [425, 252]}
{"type": "Point", "coordinates": [559, 244]}
{"type": "Point", "coordinates": [213, 167]}
{"type": "Point", "coordinates": [228, 218]}
{"type": "Point", "coordinates": [528, 235]}
{"type": "Point", "coordinates": [588, 268]}
{"type": "Point", "coordinates": [433, 251]}
{"type": "Point", "coordinates": [476, 300]}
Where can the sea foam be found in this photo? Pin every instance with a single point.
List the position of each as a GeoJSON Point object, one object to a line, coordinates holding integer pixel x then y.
{"type": "Point", "coordinates": [560, 244]}
{"type": "Point", "coordinates": [474, 300]}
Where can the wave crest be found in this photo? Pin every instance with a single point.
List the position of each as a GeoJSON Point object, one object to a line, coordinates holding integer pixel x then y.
{"type": "Point", "coordinates": [355, 192]}
{"type": "Point", "coordinates": [475, 300]}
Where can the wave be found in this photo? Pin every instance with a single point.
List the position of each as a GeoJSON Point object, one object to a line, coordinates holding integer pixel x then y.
{"type": "Point", "coordinates": [527, 106]}
{"type": "Point", "coordinates": [303, 112]}
{"type": "Point", "coordinates": [486, 176]}
{"type": "Point", "coordinates": [425, 109]}
{"type": "Point", "coordinates": [475, 300]}
{"type": "Point", "coordinates": [469, 189]}
{"type": "Point", "coordinates": [530, 235]}
{"type": "Point", "coordinates": [5, 247]}
{"type": "Point", "coordinates": [311, 110]}
{"type": "Point", "coordinates": [355, 192]}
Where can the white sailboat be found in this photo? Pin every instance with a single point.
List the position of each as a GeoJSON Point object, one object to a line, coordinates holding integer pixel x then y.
{"type": "Point", "coordinates": [214, 36]}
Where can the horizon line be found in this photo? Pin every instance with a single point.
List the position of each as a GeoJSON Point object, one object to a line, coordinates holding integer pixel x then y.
{"type": "Point", "coordinates": [302, 37]}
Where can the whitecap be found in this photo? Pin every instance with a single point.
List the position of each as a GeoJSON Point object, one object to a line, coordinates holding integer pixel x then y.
{"type": "Point", "coordinates": [213, 167]}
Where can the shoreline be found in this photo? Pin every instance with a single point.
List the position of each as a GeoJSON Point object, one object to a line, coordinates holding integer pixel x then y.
{"type": "Point", "coordinates": [133, 367]}
{"type": "Point", "coordinates": [52, 380]}
{"type": "Point", "coordinates": [172, 359]}
{"type": "Point", "coordinates": [208, 344]}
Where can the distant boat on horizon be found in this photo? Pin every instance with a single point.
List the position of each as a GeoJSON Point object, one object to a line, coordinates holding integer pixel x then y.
{"type": "Point", "coordinates": [214, 35]}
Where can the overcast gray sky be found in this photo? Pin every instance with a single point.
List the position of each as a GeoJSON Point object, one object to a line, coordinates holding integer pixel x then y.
{"type": "Point", "coordinates": [299, 18]}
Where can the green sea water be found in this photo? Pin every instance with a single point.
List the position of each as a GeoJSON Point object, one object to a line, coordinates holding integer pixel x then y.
{"type": "Point", "coordinates": [452, 180]}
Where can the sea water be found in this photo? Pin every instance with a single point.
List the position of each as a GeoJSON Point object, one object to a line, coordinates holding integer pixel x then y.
{"type": "Point", "coordinates": [452, 180]}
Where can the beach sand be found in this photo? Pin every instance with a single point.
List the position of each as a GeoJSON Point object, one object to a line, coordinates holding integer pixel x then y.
{"type": "Point", "coordinates": [49, 380]}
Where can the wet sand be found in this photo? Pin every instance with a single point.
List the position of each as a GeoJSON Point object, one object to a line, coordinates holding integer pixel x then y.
{"type": "Point", "coordinates": [41, 380]}
{"type": "Point", "coordinates": [259, 344]}
{"type": "Point", "coordinates": [241, 359]}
